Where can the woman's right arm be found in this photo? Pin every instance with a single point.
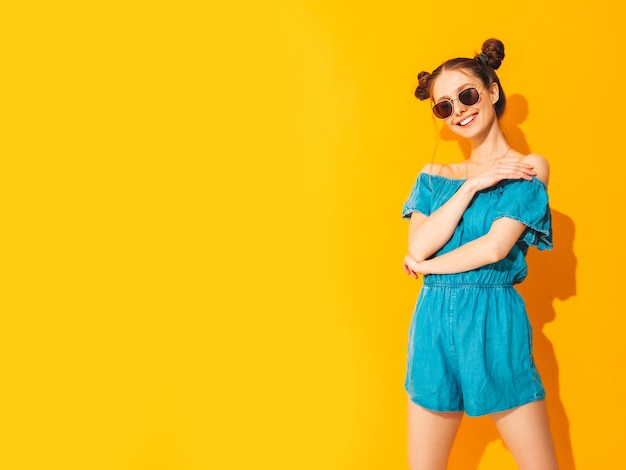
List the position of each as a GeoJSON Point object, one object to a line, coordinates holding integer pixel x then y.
{"type": "Point", "coordinates": [427, 234]}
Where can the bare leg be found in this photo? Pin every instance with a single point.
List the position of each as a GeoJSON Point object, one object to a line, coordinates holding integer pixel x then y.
{"type": "Point", "coordinates": [430, 437]}
{"type": "Point", "coordinates": [526, 433]}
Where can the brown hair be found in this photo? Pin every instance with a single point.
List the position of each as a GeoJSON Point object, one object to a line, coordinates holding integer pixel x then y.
{"type": "Point", "coordinates": [482, 66]}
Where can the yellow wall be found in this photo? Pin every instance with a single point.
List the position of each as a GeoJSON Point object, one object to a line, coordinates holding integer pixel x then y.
{"type": "Point", "coordinates": [203, 243]}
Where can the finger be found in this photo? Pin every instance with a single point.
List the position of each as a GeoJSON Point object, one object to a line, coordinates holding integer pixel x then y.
{"type": "Point", "coordinates": [514, 166]}
{"type": "Point", "coordinates": [516, 171]}
{"type": "Point", "coordinates": [405, 265]}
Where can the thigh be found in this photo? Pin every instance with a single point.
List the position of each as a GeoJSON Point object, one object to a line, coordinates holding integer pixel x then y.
{"type": "Point", "coordinates": [494, 348]}
{"type": "Point", "coordinates": [431, 436]}
{"type": "Point", "coordinates": [526, 432]}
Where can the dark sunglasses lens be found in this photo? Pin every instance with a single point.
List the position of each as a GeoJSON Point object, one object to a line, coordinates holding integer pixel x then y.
{"type": "Point", "coordinates": [443, 109]}
{"type": "Point", "coordinates": [469, 96]}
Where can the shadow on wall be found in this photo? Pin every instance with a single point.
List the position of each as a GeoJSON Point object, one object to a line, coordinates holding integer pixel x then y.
{"type": "Point", "coordinates": [551, 275]}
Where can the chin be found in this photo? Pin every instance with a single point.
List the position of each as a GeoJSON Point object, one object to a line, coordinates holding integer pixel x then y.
{"type": "Point", "coordinates": [463, 132]}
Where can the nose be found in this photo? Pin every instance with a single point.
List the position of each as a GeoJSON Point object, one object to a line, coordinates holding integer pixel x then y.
{"type": "Point", "coordinates": [459, 107]}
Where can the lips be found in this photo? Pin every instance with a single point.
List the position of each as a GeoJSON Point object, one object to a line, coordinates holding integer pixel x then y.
{"type": "Point", "coordinates": [467, 120]}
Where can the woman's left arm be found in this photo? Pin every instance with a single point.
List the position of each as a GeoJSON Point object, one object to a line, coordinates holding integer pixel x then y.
{"type": "Point", "coordinates": [489, 248]}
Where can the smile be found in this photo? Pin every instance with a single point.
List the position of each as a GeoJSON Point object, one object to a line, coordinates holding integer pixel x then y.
{"type": "Point", "coordinates": [467, 120]}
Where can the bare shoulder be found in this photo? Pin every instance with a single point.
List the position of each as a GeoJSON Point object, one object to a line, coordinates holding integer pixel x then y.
{"type": "Point", "coordinates": [432, 168]}
{"type": "Point", "coordinates": [540, 165]}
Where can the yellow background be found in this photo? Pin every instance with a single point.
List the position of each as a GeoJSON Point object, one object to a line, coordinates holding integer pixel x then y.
{"type": "Point", "coordinates": [202, 235]}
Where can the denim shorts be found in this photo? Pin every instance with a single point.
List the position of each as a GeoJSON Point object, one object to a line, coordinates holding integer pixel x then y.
{"type": "Point", "coordinates": [470, 349]}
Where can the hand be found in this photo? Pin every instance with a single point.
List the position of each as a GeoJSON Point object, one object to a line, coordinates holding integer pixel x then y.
{"type": "Point", "coordinates": [502, 169]}
{"type": "Point", "coordinates": [408, 261]}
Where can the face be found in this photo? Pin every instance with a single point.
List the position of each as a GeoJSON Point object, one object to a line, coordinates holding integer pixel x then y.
{"type": "Point", "coordinates": [467, 120]}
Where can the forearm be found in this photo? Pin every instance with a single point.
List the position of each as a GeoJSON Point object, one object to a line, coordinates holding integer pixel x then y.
{"type": "Point", "coordinates": [434, 232]}
{"type": "Point", "coordinates": [490, 248]}
{"type": "Point", "coordinates": [470, 256]}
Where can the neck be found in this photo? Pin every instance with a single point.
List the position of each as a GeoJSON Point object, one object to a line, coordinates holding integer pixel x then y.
{"type": "Point", "coordinates": [490, 147]}
{"type": "Point", "coordinates": [490, 154]}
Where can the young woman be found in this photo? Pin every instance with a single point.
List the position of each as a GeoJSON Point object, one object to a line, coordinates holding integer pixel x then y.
{"type": "Point", "coordinates": [471, 223]}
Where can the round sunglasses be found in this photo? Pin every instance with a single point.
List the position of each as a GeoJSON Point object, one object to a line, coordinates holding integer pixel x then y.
{"type": "Point", "coordinates": [469, 96]}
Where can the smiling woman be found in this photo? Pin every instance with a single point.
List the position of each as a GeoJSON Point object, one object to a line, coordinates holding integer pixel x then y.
{"type": "Point", "coordinates": [471, 225]}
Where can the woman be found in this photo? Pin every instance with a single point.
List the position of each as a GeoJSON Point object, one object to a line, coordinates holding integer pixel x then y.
{"type": "Point", "coordinates": [471, 223]}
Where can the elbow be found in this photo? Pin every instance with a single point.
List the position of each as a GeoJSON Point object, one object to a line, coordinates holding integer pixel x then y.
{"type": "Point", "coordinates": [496, 252]}
{"type": "Point", "coordinates": [494, 257]}
{"type": "Point", "coordinates": [419, 248]}
{"type": "Point", "coordinates": [493, 249]}
{"type": "Point", "coordinates": [417, 254]}
{"type": "Point", "coordinates": [417, 258]}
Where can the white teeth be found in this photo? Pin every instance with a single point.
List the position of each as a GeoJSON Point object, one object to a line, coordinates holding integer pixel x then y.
{"type": "Point", "coordinates": [464, 122]}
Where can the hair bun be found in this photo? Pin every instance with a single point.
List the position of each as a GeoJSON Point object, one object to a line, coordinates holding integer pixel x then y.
{"type": "Point", "coordinates": [421, 92]}
{"type": "Point", "coordinates": [492, 53]}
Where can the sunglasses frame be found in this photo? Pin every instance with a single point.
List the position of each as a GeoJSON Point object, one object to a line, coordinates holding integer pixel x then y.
{"type": "Point", "coordinates": [458, 97]}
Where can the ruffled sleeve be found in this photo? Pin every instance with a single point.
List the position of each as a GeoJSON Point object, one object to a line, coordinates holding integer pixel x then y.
{"type": "Point", "coordinates": [420, 198]}
{"type": "Point", "coordinates": [527, 202]}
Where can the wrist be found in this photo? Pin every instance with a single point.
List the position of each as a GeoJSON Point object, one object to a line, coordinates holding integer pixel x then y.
{"type": "Point", "coordinates": [424, 265]}
{"type": "Point", "coordinates": [469, 187]}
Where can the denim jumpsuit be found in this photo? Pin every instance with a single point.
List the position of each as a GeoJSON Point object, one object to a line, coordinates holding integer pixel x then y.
{"type": "Point", "coordinates": [470, 341]}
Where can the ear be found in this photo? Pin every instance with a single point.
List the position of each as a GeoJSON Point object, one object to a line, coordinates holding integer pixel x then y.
{"type": "Point", "coordinates": [494, 93]}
